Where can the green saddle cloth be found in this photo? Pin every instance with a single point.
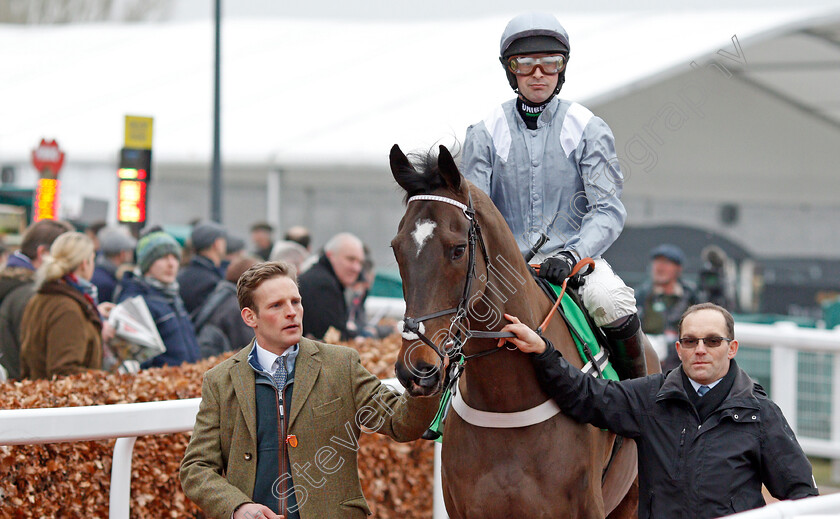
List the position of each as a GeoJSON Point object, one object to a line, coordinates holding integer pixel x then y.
{"type": "Point", "coordinates": [578, 320]}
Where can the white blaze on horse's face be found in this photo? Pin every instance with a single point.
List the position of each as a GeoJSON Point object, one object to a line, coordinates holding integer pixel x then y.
{"type": "Point", "coordinates": [422, 232]}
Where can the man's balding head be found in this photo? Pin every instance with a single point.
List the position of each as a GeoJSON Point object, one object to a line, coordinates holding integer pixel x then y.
{"type": "Point", "coordinates": [346, 254]}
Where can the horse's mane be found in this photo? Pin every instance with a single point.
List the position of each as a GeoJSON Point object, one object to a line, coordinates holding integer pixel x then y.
{"type": "Point", "coordinates": [427, 177]}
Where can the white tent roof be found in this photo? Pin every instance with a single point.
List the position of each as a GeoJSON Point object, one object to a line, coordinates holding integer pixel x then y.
{"type": "Point", "coordinates": [329, 92]}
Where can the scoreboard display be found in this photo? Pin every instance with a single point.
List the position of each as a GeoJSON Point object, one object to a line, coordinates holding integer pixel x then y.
{"type": "Point", "coordinates": [133, 180]}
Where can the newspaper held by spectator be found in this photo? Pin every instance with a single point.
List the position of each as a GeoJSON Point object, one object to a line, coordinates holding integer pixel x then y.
{"type": "Point", "coordinates": [136, 335]}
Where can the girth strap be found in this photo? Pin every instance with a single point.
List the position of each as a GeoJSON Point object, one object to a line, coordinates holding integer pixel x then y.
{"type": "Point", "coordinates": [525, 418]}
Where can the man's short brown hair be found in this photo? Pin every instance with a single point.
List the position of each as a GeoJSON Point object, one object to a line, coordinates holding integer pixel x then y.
{"type": "Point", "coordinates": [42, 233]}
{"type": "Point", "coordinates": [262, 226]}
{"type": "Point", "coordinates": [252, 278]}
{"type": "Point", "coordinates": [730, 321]}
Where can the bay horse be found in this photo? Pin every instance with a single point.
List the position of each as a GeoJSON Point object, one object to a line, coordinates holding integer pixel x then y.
{"type": "Point", "coordinates": [461, 271]}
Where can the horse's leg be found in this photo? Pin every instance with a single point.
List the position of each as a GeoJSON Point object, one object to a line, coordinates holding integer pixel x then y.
{"type": "Point", "coordinates": [620, 475]}
{"type": "Point", "coordinates": [449, 481]}
{"type": "Point", "coordinates": [449, 503]}
{"type": "Point", "coordinates": [629, 506]}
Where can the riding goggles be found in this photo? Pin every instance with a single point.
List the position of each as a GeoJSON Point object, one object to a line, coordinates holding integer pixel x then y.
{"type": "Point", "coordinates": [709, 342]}
{"type": "Point", "coordinates": [525, 65]}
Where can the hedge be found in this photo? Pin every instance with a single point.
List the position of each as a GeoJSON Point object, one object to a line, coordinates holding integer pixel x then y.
{"type": "Point", "coordinates": [73, 479]}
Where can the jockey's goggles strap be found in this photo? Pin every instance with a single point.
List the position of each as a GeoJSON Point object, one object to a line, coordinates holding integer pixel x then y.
{"type": "Point", "coordinates": [525, 65]}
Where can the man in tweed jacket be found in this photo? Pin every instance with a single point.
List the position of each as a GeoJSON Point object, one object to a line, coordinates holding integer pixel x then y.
{"type": "Point", "coordinates": [278, 427]}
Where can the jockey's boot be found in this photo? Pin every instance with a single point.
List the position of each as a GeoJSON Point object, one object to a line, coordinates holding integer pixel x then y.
{"type": "Point", "coordinates": [627, 342]}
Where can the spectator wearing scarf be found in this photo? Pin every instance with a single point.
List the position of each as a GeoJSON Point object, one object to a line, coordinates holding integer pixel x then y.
{"type": "Point", "coordinates": [158, 258]}
{"type": "Point", "coordinates": [61, 329]}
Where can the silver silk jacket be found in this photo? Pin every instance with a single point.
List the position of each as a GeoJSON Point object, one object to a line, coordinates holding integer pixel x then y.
{"type": "Point", "coordinates": [562, 178]}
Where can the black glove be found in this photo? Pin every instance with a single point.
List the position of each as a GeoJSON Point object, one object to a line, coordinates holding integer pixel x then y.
{"type": "Point", "coordinates": [557, 268]}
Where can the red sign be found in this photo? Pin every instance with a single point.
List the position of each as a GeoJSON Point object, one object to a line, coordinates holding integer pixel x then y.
{"type": "Point", "coordinates": [47, 157]}
{"type": "Point", "coordinates": [46, 200]}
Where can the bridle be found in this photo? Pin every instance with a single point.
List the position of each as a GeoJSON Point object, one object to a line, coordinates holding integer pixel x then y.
{"type": "Point", "coordinates": [455, 352]}
{"type": "Point", "coordinates": [412, 324]}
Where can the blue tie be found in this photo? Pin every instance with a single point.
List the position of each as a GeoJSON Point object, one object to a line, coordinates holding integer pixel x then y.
{"type": "Point", "coordinates": [702, 390]}
{"type": "Point", "coordinates": [280, 373]}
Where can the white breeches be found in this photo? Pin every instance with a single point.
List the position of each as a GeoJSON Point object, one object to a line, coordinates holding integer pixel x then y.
{"type": "Point", "coordinates": [605, 295]}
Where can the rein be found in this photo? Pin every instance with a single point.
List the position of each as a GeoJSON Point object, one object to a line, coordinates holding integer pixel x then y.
{"type": "Point", "coordinates": [585, 262]}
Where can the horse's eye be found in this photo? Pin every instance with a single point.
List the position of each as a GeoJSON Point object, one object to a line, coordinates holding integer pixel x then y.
{"type": "Point", "coordinates": [458, 251]}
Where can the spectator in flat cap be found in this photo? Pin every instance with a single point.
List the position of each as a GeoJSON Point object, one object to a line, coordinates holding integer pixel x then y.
{"type": "Point", "coordinates": [204, 270]}
{"type": "Point", "coordinates": [662, 300]}
{"type": "Point", "coordinates": [158, 259]}
{"type": "Point", "coordinates": [235, 251]}
{"type": "Point", "coordinates": [261, 238]}
{"type": "Point", "coordinates": [117, 249]}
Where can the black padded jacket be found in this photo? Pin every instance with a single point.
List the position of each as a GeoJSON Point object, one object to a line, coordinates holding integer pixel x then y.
{"type": "Point", "coordinates": [688, 468]}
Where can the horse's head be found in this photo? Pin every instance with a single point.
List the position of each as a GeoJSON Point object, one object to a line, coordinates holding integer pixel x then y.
{"type": "Point", "coordinates": [433, 253]}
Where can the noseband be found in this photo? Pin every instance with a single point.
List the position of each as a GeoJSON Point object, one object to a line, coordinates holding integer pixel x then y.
{"type": "Point", "coordinates": [412, 324]}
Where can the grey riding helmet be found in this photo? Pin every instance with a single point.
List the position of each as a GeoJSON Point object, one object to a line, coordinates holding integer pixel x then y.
{"type": "Point", "coordinates": [533, 33]}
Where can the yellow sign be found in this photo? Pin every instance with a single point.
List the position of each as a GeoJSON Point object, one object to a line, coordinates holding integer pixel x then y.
{"type": "Point", "coordinates": [46, 199]}
{"type": "Point", "coordinates": [138, 132]}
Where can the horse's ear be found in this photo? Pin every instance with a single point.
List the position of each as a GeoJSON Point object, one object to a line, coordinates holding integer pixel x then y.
{"type": "Point", "coordinates": [448, 169]}
{"type": "Point", "coordinates": [401, 168]}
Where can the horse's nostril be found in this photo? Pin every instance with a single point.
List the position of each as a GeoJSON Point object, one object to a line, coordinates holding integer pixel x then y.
{"type": "Point", "coordinates": [427, 375]}
{"type": "Point", "coordinates": [423, 374]}
{"type": "Point", "coordinates": [429, 381]}
{"type": "Point", "coordinates": [426, 371]}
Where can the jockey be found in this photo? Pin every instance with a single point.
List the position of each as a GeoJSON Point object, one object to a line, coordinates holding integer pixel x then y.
{"type": "Point", "coordinates": [550, 167]}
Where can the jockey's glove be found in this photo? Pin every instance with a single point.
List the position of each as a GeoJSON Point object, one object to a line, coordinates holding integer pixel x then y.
{"type": "Point", "coordinates": [557, 268]}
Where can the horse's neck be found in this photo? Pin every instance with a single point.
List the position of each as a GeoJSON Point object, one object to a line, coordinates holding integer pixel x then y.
{"type": "Point", "coordinates": [504, 381]}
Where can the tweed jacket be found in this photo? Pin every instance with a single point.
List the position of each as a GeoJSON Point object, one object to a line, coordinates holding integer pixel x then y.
{"type": "Point", "coordinates": [333, 394]}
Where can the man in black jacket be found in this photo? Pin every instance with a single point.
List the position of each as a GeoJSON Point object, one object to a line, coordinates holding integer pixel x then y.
{"type": "Point", "coordinates": [17, 286]}
{"type": "Point", "coordinates": [708, 436]}
{"type": "Point", "coordinates": [204, 271]}
{"type": "Point", "coordinates": [322, 286]}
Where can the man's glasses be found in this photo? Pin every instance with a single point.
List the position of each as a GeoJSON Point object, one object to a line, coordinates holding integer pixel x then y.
{"type": "Point", "coordinates": [525, 65]}
{"type": "Point", "coordinates": [710, 342]}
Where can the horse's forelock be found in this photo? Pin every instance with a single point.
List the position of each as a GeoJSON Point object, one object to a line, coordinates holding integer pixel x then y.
{"type": "Point", "coordinates": [427, 177]}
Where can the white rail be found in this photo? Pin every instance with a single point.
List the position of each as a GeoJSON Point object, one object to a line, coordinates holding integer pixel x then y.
{"type": "Point", "coordinates": [785, 340]}
{"type": "Point", "coordinates": [128, 421]}
{"type": "Point", "coordinates": [125, 422]}
{"type": "Point", "coordinates": [822, 507]}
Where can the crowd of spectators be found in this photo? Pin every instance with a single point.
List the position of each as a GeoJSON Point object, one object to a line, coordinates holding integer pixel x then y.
{"type": "Point", "coordinates": [58, 289]}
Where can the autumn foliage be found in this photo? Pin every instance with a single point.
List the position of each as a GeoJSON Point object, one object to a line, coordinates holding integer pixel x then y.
{"type": "Point", "coordinates": [73, 479]}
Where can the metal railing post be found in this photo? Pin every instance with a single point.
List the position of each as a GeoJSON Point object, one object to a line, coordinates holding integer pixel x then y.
{"type": "Point", "coordinates": [835, 414]}
{"type": "Point", "coordinates": [438, 508]}
{"type": "Point", "coordinates": [783, 369]}
{"type": "Point", "coordinates": [120, 500]}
